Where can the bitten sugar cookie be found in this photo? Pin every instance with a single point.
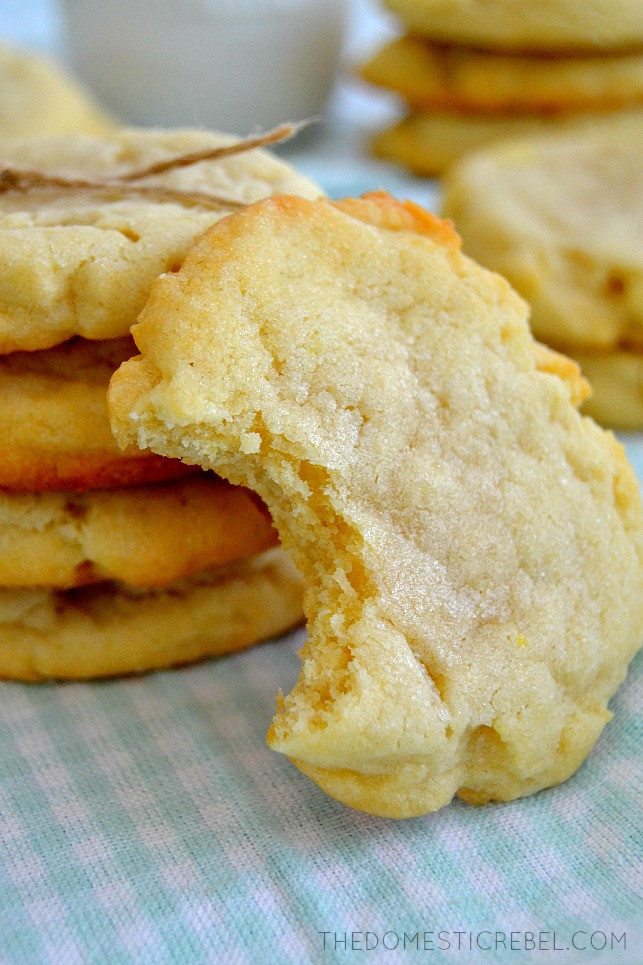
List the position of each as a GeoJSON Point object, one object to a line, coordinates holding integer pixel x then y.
{"type": "Point", "coordinates": [470, 545]}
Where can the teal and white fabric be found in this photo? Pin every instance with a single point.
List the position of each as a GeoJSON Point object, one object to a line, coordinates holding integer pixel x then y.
{"type": "Point", "coordinates": [145, 821]}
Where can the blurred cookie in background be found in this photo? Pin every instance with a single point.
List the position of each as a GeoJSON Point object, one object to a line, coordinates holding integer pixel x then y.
{"type": "Point", "coordinates": [470, 73]}
{"type": "Point", "coordinates": [561, 25]}
{"type": "Point", "coordinates": [430, 142]}
{"type": "Point", "coordinates": [432, 76]}
{"type": "Point", "coordinates": [37, 97]}
{"type": "Point", "coordinates": [562, 219]}
{"type": "Point", "coordinates": [617, 388]}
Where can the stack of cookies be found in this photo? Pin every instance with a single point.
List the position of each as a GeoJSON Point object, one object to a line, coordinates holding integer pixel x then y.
{"type": "Point", "coordinates": [562, 218]}
{"type": "Point", "coordinates": [475, 71]}
{"type": "Point", "coordinates": [116, 561]}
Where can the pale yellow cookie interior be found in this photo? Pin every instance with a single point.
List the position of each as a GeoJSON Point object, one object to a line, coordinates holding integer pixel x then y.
{"type": "Point", "coordinates": [470, 545]}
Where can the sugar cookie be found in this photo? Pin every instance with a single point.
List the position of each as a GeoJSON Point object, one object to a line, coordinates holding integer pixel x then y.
{"type": "Point", "coordinates": [562, 219]}
{"type": "Point", "coordinates": [107, 630]}
{"type": "Point", "coordinates": [617, 389]}
{"type": "Point", "coordinates": [436, 77]}
{"type": "Point", "coordinates": [81, 263]}
{"type": "Point", "coordinates": [54, 430]}
{"type": "Point", "coordinates": [430, 142]}
{"type": "Point", "coordinates": [37, 97]}
{"type": "Point", "coordinates": [144, 536]}
{"type": "Point", "coordinates": [471, 547]}
{"type": "Point", "coordinates": [540, 25]}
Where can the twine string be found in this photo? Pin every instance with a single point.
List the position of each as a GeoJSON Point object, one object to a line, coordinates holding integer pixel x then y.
{"type": "Point", "coordinates": [20, 179]}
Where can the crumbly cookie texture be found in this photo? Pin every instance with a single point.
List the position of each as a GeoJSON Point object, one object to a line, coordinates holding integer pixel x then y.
{"type": "Point", "coordinates": [54, 429]}
{"type": "Point", "coordinates": [561, 217]}
{"type": "Point", "coordinates": [549, 25]}
{"type": "Point", "coordinates": [430, 142]}
{"type": "Point", "coordinates": [107, 630]}
{"type": "Point", "coordinates": [76, 262]}
{"type": "Point", "coordinates": [144, 536]}
{"type": "Point", "coordinates": [472, 547]}
{"type": "Point", "coordinates": [39, 98]}
{"type": "Point", "coordinates": [437, 77]}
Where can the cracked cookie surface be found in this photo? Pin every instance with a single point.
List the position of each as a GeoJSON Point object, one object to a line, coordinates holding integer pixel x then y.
{"type": "Point", "coordinates": [470, 545]}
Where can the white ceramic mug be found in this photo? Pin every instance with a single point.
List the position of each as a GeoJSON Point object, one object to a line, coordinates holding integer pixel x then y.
{"type": "Point", "coordinates": [229, 64]}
